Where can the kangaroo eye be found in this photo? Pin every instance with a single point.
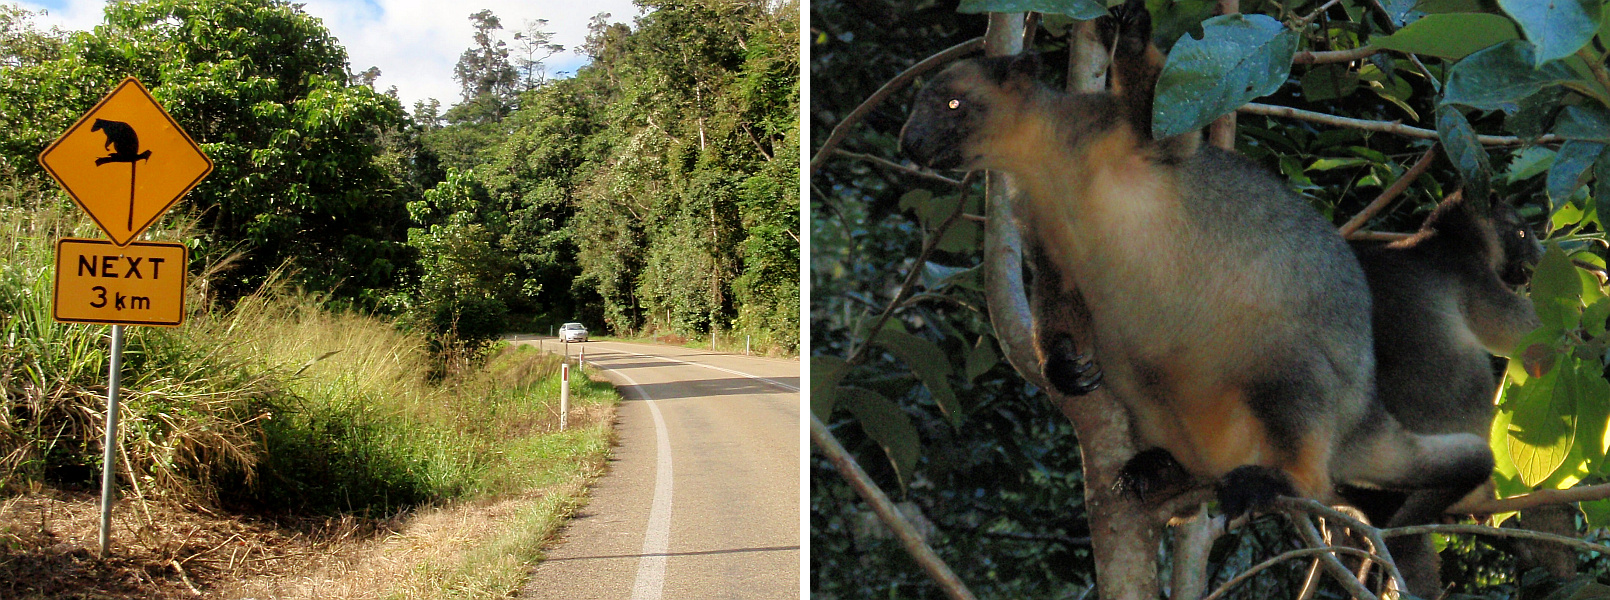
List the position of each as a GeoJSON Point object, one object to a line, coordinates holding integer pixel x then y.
{"type": "Point", "coordinates": [954, 104]}
{"type": "Point", "coordinates": [1521, 233]}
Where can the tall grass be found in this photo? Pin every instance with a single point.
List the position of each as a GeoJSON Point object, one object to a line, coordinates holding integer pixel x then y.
{"type": "Point", "coordinates": [278, 404]}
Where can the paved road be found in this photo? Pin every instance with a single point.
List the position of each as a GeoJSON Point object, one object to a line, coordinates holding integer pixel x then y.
{"type": "Point", "coordinates": [702, 497]}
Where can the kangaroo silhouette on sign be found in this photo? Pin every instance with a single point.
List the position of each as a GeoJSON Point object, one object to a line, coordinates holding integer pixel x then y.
{"type": "Point", "coordinates": [121, 140]}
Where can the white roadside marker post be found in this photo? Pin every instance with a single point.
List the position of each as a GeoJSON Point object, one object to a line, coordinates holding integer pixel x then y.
{"type": "Point", "coordinates": [582, 356]}
{"type": "Point", "coordinates": [564, 395]}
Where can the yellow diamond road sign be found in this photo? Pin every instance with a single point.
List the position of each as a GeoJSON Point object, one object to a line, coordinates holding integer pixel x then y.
{"type": "Point", "coordinates": [125, 162]}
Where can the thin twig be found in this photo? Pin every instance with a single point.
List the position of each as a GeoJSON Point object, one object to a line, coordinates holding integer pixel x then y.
{"type": "Point", "coordinates": [1303, 24]}
{"type": "Point", "coordinates": [887, 512]}
{"type": "Point", "coordinates": [1285, 556]}
{"type": "Point", "coordinates": [1393, 127]}
{"type": "Point", "coordinates": [1390, 193]}
{"type": "Point", "coordinates": [842, 130]}
{"type": "Point", "coordinates": [1378, 236]}
{"type": "Point", "coordinates": [1337, 570]}
{"type": "Point", "coordinates": [1498, 532]}
{"type": "Point", "coordinates": [894, 166]}
{"type": "Point", "coordinates": [1310, 57]}
{"type": "Point", "coordinates": [928, 245]}
{"type": "Point", "coordinates": [1373, 534]}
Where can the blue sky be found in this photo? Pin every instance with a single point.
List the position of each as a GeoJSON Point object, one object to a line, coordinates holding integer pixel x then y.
{"type": "Point", "coordinates": [414, 42]}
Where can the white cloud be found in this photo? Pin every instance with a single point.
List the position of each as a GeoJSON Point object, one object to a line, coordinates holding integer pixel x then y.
{"type": "Point", "coordinates": [414, 42]}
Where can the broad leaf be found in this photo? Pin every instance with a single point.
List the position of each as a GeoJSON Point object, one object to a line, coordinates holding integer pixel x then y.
{"type": "Point", "coordinates": [1557, 291]}
{"type": "Point", "coordinates": [1501, 76]}
{"type": "Point", "coordinates": [1534, 114]}
{"type": "Point", "coordinates": [928, 363]}
{"type": "Point", "coordinates": [883, 421]}
{"type": "Point", "coordinates": [1328, 82]}
{"type": "Point", "coordinates": [1593, 411]}
{"type": "Point", "coordinates": [1396, 10]}
{"type": "Point", "coordinates": [1542, 428]}
{"type": "Point", "coordinates": [1601, 187]}
{"type": "Point", "coordinates": [1528, 163]}
{"type": "Point", "coordinates": [1589, 122]}
{"type": "Point", "coordinates": [826, 372]}
{"type": "Point", "coordinates": [1558, 28]}
{"type": "Point", "coordinates": [1239, 58]}
{"type": "Point", "coordinates": [1466, 153]}
{"type": "Point", "coordinates": [982, 358]}
{"type": "Point", "coordinates": [1571, 166]}
{"type": "Point", "coordinates": [1449, 36]}
{"type": "Point", "coordinates": [1082, 10]}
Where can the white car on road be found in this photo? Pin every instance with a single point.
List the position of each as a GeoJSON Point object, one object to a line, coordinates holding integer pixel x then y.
{"type": "Point", "coordinates": [572, 332]}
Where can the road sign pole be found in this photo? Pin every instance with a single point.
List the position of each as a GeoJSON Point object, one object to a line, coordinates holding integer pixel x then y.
{"type": "Point", "coordinates": [564, 395]}
{"type": "Point", "coordinates": [114, 380]}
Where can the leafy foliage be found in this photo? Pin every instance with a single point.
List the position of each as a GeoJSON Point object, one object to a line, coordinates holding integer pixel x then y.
{"type": "Point", "coordinates": [264, 89]}
{"type": "Point", "coordinates": [654, 191]}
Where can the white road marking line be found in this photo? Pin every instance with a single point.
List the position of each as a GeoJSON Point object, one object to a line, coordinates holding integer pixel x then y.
{"type": "Point", "coordinates": [657, 537]}
{"type": "Point", "coordinates": [755, 377]}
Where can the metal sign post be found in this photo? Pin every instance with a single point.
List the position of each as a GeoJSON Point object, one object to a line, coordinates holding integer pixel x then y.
{"type": "Point", "coordinates": [564, 395]}
{"type": "Point", "coordinates": [114, 380]}
{"type": "Point", "coordinates": [120, 281]}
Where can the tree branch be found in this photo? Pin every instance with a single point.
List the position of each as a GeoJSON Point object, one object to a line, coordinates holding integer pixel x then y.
{"type": "Point", "coordinates": [842, 130]}
{"type": "Point", "coordinates": [1310, 57]}
{"type": "Point", "coordinates": [894, 166]}
{"type": "Point", "coordinates": [1390, 193]}
{"type": "Point", "coordinates": [929, 242]}
{"type": "Point", "coordinates": [1298, 553]}
{"type": "Point", "coordinates": [1221, 132]}
{"type": "Point", "coordinates": [1393, 127]}
{"type": "Point", "coordinates": [1489, 506]}
{"type": "Point", "coordinates": [888, 512]}
{"type": "Point", "coordinates": [1378, 236]}
{"type": "Point", "coordinates": [1498, 532]}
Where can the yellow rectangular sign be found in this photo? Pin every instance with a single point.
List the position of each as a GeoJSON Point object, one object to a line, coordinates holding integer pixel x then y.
{"type": "Point", "coordinates": [142, 283]}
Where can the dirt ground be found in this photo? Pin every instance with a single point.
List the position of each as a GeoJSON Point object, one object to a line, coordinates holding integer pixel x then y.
{"type": "Point", "coordinates": [49, 548]}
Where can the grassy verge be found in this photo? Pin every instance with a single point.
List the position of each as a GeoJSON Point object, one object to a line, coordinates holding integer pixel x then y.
{"type": "Point", "coordinates": [278, 410]}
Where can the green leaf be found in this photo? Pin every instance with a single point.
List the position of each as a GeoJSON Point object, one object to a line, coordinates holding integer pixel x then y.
{"type": "Point", "coordinates": [1558, 28]}
{"type": "Point", "coordinates": [1505, 474]}
{"type": "Point", "coordinates": [1585, 122]}
{"type": "Point", "coordinates": [928, 363]}
{"type": "Point", "coordinates": [1556, 290]}
{"type": "Point", "coordinates": [963, 236]}
{"type": "Point", "coordinates": [1449, 36]}
{"type": "Point", "coordinates": [1542, 428]}
{"type": "Point", "coordinates": [1593, 410]}
{"type": "Point", "coordinates": [1239, 58]}
{"type": "Point", "coordinates": [1396, 10]}
{"type": "Point", "coordinates": [1465, 152]}
{"type": "Point", "coordinates": [982, 358]}
{"type": "Point", "coordinates": [1601, 185]}
{"type": "Point", "coordinates": [1597, 513]}
{"type": "Point", "coordinates": [1501, 75]}
{"type": "Point", "coordinates": [886, 424]}
{"type": "Point", "coordinates": [1534, 114]}
{"type": "Point", "coordinates": [1529, 163]}
{"type": "Point", "coordinates": [1082, 10]}
{"type": "Point", "coordinates": [1329, 82]}
{"type": "Point", "coordinates": [1326, 164]}
{"type": "Point", "coordinates": [1450, 6]}
{"type": "Point", "coordinates": [1571, 166]}
{"type": "Point", "coordinates": [1595, 316]}
{"type": "Point", "coordinates": [826, 372]}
